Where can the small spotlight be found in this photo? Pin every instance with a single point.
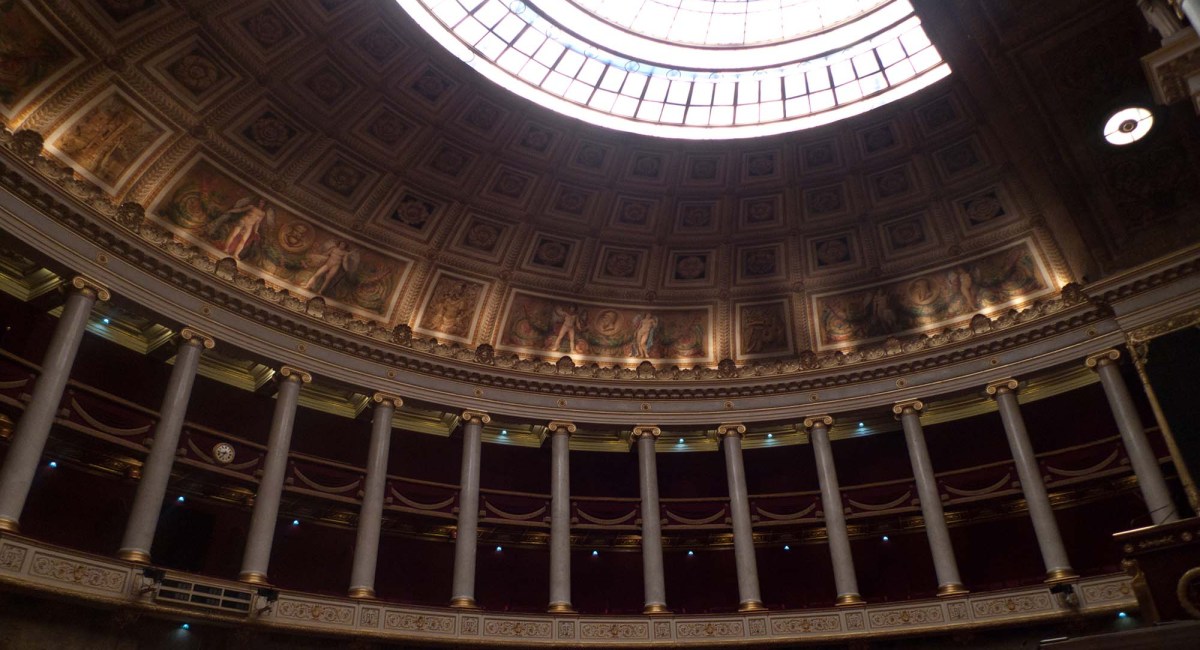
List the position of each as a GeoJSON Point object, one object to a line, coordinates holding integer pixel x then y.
{"type": "Point", "coordinates": [106, 322]}
{"type": "Point", "coordinates": [681, 441]}
{"type": "Point", "coordinates": [1122, 615]}
{"type": "Point", "coordinates": [180, 499]}
{"type": "Point", "coordinates": [53, 464]}
{"type": "Point", "coordinates": [295, 522]}
{"type": "Point", "coordinates": [499, 548]}
{"type": "Point", "coordinates": [885, 538]}
{"type": "Point", "coordinates": [595, 553]}
{"type": "Point", "coordinates": [504, 432]}
{"type": "Point", "coordinates": [691, 553]}
{"type": "Point", "coordinates": [770, 435]}
{"type": "Point", "coordinates": [860, 424]}
{"type": "Point", "coordinates": [787, 547]}
{"type": "Point", "coordinates": [186, 626]}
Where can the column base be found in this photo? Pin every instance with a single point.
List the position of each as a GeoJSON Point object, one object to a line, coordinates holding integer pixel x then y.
{"type": "Point", "coordinates": [9, 526]}
{"type": "Point", "coordinates": [1060, 575]}
{"type": "Point", "coordinates": [654, 609]}
{"type": "Point", "coordinates": [561, 608]}
{"type": "Point", "coordinates": [849, 600]}
{"type": "Point", "coordinates": [951, 590]}
{"type": "Point", "coordinates": [253, 577]}
{"type": "Point", "coordinates": [462, 602]}
{"type": "Point", "coordinates": [751, 606]}
{"type": "Point", "coordinates": [134, 555]}
{"type": "Point", "coordinates": [361, 592]}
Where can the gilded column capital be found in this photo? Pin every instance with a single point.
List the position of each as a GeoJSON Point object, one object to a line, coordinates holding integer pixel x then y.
{"type": "Point", "coordinates": [295, 374]}
{"type": "Point", "coordinates": [814, 420]}
{"type": "Point", "coordinates": [1100, 358]}
{"type": "Point", "coordinates": [642, 430]}
{"type": "Point", "coordinates": [90, 287]}
{"type": "Point", "coordinates": [194, 336]}
{"type": "Point", "coordinates": [561, 426]}
{"type": "Point", "coordinates": [1002, 386]}
{"type": "Point", "coordinates": [731, 429]}
{"type": "Point", "coordinates": [382, 398]}
{"type": "Point", "coordinates": [913, 405]}
{"type": "Point", "coordinates": [482, 417]}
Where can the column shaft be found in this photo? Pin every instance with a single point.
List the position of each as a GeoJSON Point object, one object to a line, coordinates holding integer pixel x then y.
{"type": "Point", "coordinates": [1054, 554]}
{"type": "Point", "coordinates": [944, 564]}
{"type": "Point", "coordinates": [33, 429]}
{"type": "Point", "coordinates": [156, 471]}
{"type": "Point", "coordinates": [463, 586]}
{"type": "Point", "coordinates": [844, 577]}
{"type": "Point", "coordinates": [370, 515]}
{"type": "Point", "coordinates": [1141, 456]}
{"type": "Point", "coordinates": [560, 517]}
{"type": "Point", "coordinates": [749, 598]}
{"type": "Point", "coordinates": [653, 583]}
{"type": "Point", "coordinates": [270, 488]}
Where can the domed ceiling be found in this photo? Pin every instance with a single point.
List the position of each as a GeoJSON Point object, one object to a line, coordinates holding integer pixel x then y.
{"type": "Point", "coordinates": [333, 150]}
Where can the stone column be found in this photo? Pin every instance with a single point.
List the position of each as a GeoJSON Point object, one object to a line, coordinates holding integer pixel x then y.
{"type": "Point", "coordinates": [560, 517]}
{"type": "Point", "coordinates": [944, 565]}
{"type": "Point", "coordinates": [749, 599]}
{"type": "Point", "coordinates": [467, 537]}
{"type": "Point", "coordinates": [835, 519]}
{"type": "Point", "coordinates": [653, 583]}
{"type": "Point", "coordinates": [156, 471]}
{"type": "Point", "coordinates": [270, 488]}
{"type": "Point", "coordinates": [33, 429]}
{"type": "Point", "coordinates": [1141, 456]}
{"type": "Point", "coordinates": [370, 515]}
{"type": "Point", "coordinates": [1054, 554]}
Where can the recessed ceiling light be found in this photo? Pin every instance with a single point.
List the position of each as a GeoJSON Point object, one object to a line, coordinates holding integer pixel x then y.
{"type": "Point", "coordinates": [1128, 125]}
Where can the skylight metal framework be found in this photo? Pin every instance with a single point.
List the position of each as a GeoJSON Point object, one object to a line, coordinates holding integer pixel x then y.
{"type": "Point", "coordinates": [701, 69]}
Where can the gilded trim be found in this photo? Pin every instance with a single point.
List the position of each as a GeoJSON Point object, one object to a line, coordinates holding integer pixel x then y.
{"type": "Point", "coordinates": [196, 337]}
{"type": "Point", "coordinates": [90, 287]}
{"type": "Point", "coordinates": [912, 405]}
{"type": "Point", "coordinates": [291, 373]}
{"type": "Point", "coordinates": [1099, 358]}
{"type": "Point", "coordinates": [731, 429]}
{"type": "Point", "coordinates": [382, 398]}
{"type": "Point", "coordinates": [134, 555]}
{"type": "Point", "coordinates": [951, 590]}
{"type": "Point", "coordinates": [1002, 386]}
{"type": "Point", "coordinates": [482, 417]}
{"type": "Point", "coordinates": [815, 420]}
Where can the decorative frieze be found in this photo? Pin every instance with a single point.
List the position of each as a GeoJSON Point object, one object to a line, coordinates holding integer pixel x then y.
{"type": "Point", "coordinates": [83, 574]}
{"type": "Point", "coordinates": [314, 613]}
{"type": "Point", "coordinates": [409, 622]}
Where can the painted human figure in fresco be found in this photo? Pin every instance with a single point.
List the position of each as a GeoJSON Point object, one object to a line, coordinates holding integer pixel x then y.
{"type": "Point", "coordinates": [644, 336]}
{"type": "Point", "coordinates": [339, 258]}
{"type": "Point", "coordinates": [572, 320]}
{"type": "Point", "coordinates": [247, 217]}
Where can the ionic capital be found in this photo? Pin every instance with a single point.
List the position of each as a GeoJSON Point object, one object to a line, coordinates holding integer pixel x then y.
{"type": "Point", "coordinates": [731, 429]}
{"type": "Point", "coordinates": [295, 374]}
{"type": "Point", "coordinates": [90, 287]}
{"type": "Point", "coordinates": [480, 416]}
{"type": "Point", "coordinates": [561, 426]}
{"type": "Point", "coordinates": [382, 399]}
{"type": "Point", "coordinates": [646, 430]}
{"type": "Point", "coordinates": [193, 336]}
{"type": "Point", "coordinates": [1101, 358]}
{"type": "Point", "coordinates": [912, 405]}
{"type": "Point", "coordinates": [1008, 385]}
{"type": "Point", "coordinates": [815, 420]}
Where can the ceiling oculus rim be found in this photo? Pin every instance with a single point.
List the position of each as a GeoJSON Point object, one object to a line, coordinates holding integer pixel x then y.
{"type": "Point", "coordinates": [550, 54]}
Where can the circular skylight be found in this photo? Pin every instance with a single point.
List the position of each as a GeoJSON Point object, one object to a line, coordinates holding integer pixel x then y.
{"type": "Point", "coordinates": [692, 68]}
{"type": "Point", "coordinates": [1128, 125]}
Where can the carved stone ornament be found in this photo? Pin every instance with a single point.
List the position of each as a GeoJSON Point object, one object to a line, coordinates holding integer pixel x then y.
{"type": "Point", "coordinates": [28, 144]}
{"type": "Point", "coordinates": [131, 215]}
{"type": "Point", "coordinates": [485, 354]}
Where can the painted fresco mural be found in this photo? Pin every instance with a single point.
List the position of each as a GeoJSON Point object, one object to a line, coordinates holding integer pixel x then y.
{"type": "Point", "coordinates": [107, 140]}
{"type": "Point", "coordinates": [931, 299]}
{"type": "Point", "coordinates": [29, 54]}
{"type": "Point", "coordinates": [233, 220]}
{"type": "Point", "coordinates": [452, 307]}
{"type": "Point", "coordinates": [763, 330]}
{"type": "Point", "coordinates": [606, 333]}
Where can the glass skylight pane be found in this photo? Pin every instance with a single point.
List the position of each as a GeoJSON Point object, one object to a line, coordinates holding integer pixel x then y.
{"type": "Point", "coordinates": [848, 93]}
{"type": "Point", "coordinates": [925, 59]}
{"type": "Point", "coordinates": [449, 13]}
{"type": "Point", "coordinates": [702, 93]}
{"type": "Point", "coordinates": [793, 85]}
{"type": "Point", "coordinates": [625, 106]}
{"type": "Point", "coordinates": [512, 60]}
{"type": "Point", "coordinates": [470, 31]}
{"type": "Point", "coordinates": [579, 92]}
{"type": "Point", "coordinates": [843, 72]}
{"type": "Point", "coordinates": [721, 116]}
{"type": "Point", "coordinates": [818, 79]}
{"type": "Point", "coordinates": [872, 84]}
{"type": "Point", "coordinates": [556, 83]}
{"type": "Point", "coordinates": [570, 63]}
{"type": "Point", "coordinates": [591, 72]}
{"type": "Point", "coordinates": [725, 92]}
{"type": "Point", "coordinates": [822, 101]}
{"type": "Point", "coordinates": [510, 27]}
{"type": "Point", "coordinates": [534, 72]}
{"type": "Point", "coordinates": [549, 53]}
{"type": "Point", "coordinates": [901, 72]}
{"type": "Point", "coordinates": [650, 111]}
{"type": "Point", "coordinates": [770, 111]}
{"type": "Point", "coordinates": [698, 116]}
{"type": "Point", "coordinates": [770, 89]}
{"type": "Point", "coordinates": [634, 84]}
{"type": "Point", "coordinates": [672, 114]}
{"type": "Point", "coordinates": [602, 100]}
{"type": "Point", "coordinates": [656, 90]}
{"type": "Point", "coordinates": [865, 64]}
{"type": "Point", "coordinates": [914, 40]}
{"type": "Point", "coordinates": [747, 114]}
{"type": "Point", "coordinates": [613, 78]}
{"type": "Point", "coordinates": [797, 106]}
{"type": "Point", "coordinates": [491, 46]}
{"type": "Point", "coordinates": [747, 92]}
{"type": "Point", "coordinates": [679, 92]}
{"type": "Point", "coordinates": [491, 13]}
{"type": "Point", "coordinates": [890, 52]}
{"type": "Point", "coordinates": [530, 41]}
